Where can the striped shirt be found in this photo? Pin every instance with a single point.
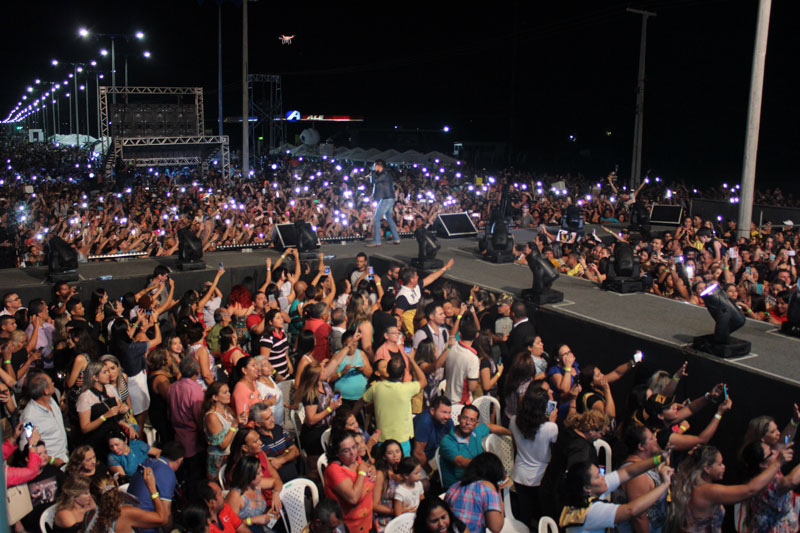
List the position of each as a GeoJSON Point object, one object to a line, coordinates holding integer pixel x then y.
{"type": "Point", "coordinates": [278, 345]}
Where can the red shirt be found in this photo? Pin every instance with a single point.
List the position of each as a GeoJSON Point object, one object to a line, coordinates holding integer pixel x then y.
{"type": "Point", "coordinates": [228, 519]}
{"type": "Point", "coordinates": [262, 458]}
{"type": "Point", "coordinates": [253, 320]}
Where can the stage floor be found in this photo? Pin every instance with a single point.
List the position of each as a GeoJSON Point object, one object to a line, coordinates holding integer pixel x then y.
{"type": "Point", "coordinates": [642, 315]}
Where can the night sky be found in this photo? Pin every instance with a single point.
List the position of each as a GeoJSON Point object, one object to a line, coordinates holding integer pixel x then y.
{"type": "Point", "coordinates": [529, 74]}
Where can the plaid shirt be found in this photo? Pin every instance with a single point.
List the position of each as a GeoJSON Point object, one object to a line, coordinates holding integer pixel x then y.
{"type": "Point", "coordinates": [470, 503]}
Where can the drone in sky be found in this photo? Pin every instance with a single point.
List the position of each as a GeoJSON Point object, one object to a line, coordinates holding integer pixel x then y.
{"type": "Point", "coordinates": [286, 39]}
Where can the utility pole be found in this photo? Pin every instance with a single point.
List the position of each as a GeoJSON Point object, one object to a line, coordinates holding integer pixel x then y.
{"type": "Point", "coordinates": [219, 66]}
{"type": "Point", "coordinates": [753, 120]}
{"type": "Point", "coordinates": [245, 100]}
{"type": "Point", "coordinates": [638, 125]}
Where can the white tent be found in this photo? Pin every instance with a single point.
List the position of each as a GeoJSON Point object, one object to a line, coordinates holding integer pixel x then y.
{"type": "Point", "coordinates": [385, 155]}
{"type": "Point", "coordinates": [408, 157]}
{"type": "Point", "coordinates": [445, 159]}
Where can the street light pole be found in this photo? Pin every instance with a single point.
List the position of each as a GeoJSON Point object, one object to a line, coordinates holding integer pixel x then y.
{"type": "Point", "coordinates": [638, 126]}
{"type": "Point", "coordinates": [77, 105]}
{"type": "Point", "coordinates": [113, 69]}
{"type": "Point", "coordinates": [753, 120]}
{"type": "Point", "coordinates": [245, 110]}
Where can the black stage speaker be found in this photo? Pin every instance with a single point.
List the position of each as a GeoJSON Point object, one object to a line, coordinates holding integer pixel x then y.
{"type": "Point", "coordinates": [451, 225]}
{"type": "Point", "coordinates": [190, 251]}
{"type": "Point", "coordinates": [286, 237]}
{"type": "Point", "coordinates": [62, 261]}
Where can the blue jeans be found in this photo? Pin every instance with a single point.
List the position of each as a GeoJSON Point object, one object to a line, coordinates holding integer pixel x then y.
{"type": "Point", "coordinates": [385, 208]}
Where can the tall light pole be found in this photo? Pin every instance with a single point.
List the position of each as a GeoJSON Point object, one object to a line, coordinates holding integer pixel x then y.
{"type": "Point", "coordinates": [245, 106]}
{"type": "Point", "coordinates": [83, 32]}
{"type": "Point", "coordinates": [638, 126]}
{"type": "Point", "coordinates": [219, 66]}
{"type": "Point", "coordinates": [753, 120]}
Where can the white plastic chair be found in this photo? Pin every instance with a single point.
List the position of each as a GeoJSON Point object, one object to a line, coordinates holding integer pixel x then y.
{"type": "Point", "coordinates": [293, 497]}
{"type": "Point", "coordinates": [547, 525]}
{"type": "Point", "coordinates": [484, 405]}
{"type": "Point", "coordinates": [455, 412]}
{"type": "Point", "coordinates": [124, 487]}
{"type": "Point", "coordinates": [149, 434]}
{"type": "Point", "coordinates": [438, 467]}
{"type": "Point", "coordinates": [222, 476]}
{"type": "Point", "coordinates": [511, 524]}
{"type": "Point", "coordinates": [286, 393]}
{"type": "Point", "coordinates": [47, 519]}
{"type": "Point", "coordinates": [601, 445]}
{"type": "Point", "coordinates": [502, 447]}
{"type": "Point", "coordinates": [322, 464]}
{"type": "Point", "coordinates": [326, 437]}
{"type": "Point", "coordinates": [441, 388]}
{"type": "Point", "coordinates": [401, 524]}
{"type": "Point", "coordinates": [297, 416]}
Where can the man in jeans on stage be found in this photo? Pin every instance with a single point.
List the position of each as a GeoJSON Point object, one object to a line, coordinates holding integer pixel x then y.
{"type": "Point", "coordinates": [383, 193]}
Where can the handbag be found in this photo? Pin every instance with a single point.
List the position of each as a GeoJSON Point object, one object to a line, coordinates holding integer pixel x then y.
{"type": "Point", "coordinates": [18, 501]}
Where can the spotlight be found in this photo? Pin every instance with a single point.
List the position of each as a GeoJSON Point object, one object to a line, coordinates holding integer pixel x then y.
{"type": "Point", "coordinates": [498, 243]}
{"type": "Point", "coordinates": [190, 251]}
{"type": "Point", "coordinates": [728, 318]}
{"type": "Point", "coordinates": [622, 271]}
{"type": "Point", "coordinates": [640, 219]}
{"type": "Point", "coordinates": [428, 246]}
{"type": "Point", "coordinates": [572, 220]}
{"type": "Point", "coordinates": [62, 261]}
{"type": "Point", "coordinates": [544, 274]}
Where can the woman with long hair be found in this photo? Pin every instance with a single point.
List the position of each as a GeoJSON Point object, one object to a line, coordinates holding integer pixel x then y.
{"type": "Point", "coordinates": [230, 351]}
{"type": "Point", "coordinates": [317, 398]}
{"type": "Point", "coordinates": [698, 497]}
{"type": "Point", "coordinates": [245, 391]}
{"type": "Point", "coordinates": [98, 406]}
{"type": "Point", "coordinates": [305, 356]}
{"type": "Point", "coordinates": [130, 344]}
{"type": "Point", "coordinates": [125, 455]}
{"type": "Point", "coordinates": [386, 480]}
{"type": "Point", "coordinates": [194, 336]}
{"type": "Point", "coordinates": [519, 377]}
{"type": "Point", "coordinates": [358, 314]}
{"type": "Point", "coordinates": [764, 429]}
{"type": "Point", "coordinates": [120, 381]}
{"type": "Point", "coordinates": [247, 443]}
{"type": "Point", "coordinates": [174, 347]}
{"type": "Point", "coordinates": [112, 515]}
{"type": "Point", "coordinates": [595, 392]}
{"type": "Point", "coordinates": [84, 351]}
{"type": "Point", "coordinates": [246, 498]}
{"type": "Point", "coordinates": [435, 516]}
{"type": "Point", "coordinates": [771, 510]}
{"type": "Point", "coordinates": [584, 484]}
{"type": "Point", "coordinates": [534, 433]}
{"type": "Point", "coordinates": [241, 305]}
{"type": "Point", "coordinates": [74, 501]}
{"type": "Point", "coordinates": [350, 481]}
{"type": "Point", "coordinates": [162, 372]}
{"type": "Point", "coordinates": [220, 425]}
{"type": "Point", "coordinates": [490, 371]}
{"type": "Point", "coordinates": [479, 490]}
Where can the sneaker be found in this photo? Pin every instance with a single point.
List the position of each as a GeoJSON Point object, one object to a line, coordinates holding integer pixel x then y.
{"type": "Point", "coordinates": [373, 245]}
{"type": "Point", "coordinates": [395, 242]}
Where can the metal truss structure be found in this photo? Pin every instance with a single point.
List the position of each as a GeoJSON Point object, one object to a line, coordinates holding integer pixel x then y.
{"type": "Point", "coordinates": [187, 150]}
{"type": "Point", "coordinates": [266, 104]}
{"type": "Point", "coordinates": [176, 151]}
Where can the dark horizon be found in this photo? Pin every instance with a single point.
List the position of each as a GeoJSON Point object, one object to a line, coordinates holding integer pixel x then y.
{"type": "Point", "coordinates": [525, 75]}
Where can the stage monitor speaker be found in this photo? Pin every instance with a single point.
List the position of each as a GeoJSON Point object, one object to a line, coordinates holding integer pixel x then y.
{"type": "Point", "coordinates": [287, 237]}
{"type": "Point", "coordinates": [190, 251]}
{"type": "Point", "coordinates": [452, 225]}
{"type": "Point", "coordinates": [62, 261]}
{"type": "Point", "coordinates": [666, 214]}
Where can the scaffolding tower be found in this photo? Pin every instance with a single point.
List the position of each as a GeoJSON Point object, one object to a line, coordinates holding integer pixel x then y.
{"type": "Point", "coordinates": [266, 106]}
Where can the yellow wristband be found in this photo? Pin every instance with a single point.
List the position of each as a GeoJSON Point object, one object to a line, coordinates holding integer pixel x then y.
{"type": "Point", "coordinates": [459, 317]}
{"type": "Point", "coordinates": [248, 521]}
{"type": "Point", "coordinates": [7, 362]}
{"type": "Point", "coordinates": [232, 429]}
{"type": "Point", "coordinates": [155, 495]}
{"type": "Point", "coordinates": [718, 416]}
{"type": "Point", "coordinates": [792, 422]}
{"type": "Point", "coordinates": [103, 418]}
{"type": "Point", "coordinates": [362, 473]}
{"type": "Point", "coordinates": [329, 409]}
{"type": "Point", "coordinates": [657, 460]}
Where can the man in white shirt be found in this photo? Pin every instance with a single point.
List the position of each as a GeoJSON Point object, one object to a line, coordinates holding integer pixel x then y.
{"type": "Point", "coordinates": [11, 303]}
{"type": "Point", "coordinates": [45, 414]}
{"type": "Point", "coordinates": [462, 367]}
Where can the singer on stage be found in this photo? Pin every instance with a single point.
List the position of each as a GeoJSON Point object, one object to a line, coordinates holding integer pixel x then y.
{"type": "Point", "coordinates": [383, 193]}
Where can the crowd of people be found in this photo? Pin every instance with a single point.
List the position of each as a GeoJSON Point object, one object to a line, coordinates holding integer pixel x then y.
{"type": "Point", "coordinates": [154, 410]}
